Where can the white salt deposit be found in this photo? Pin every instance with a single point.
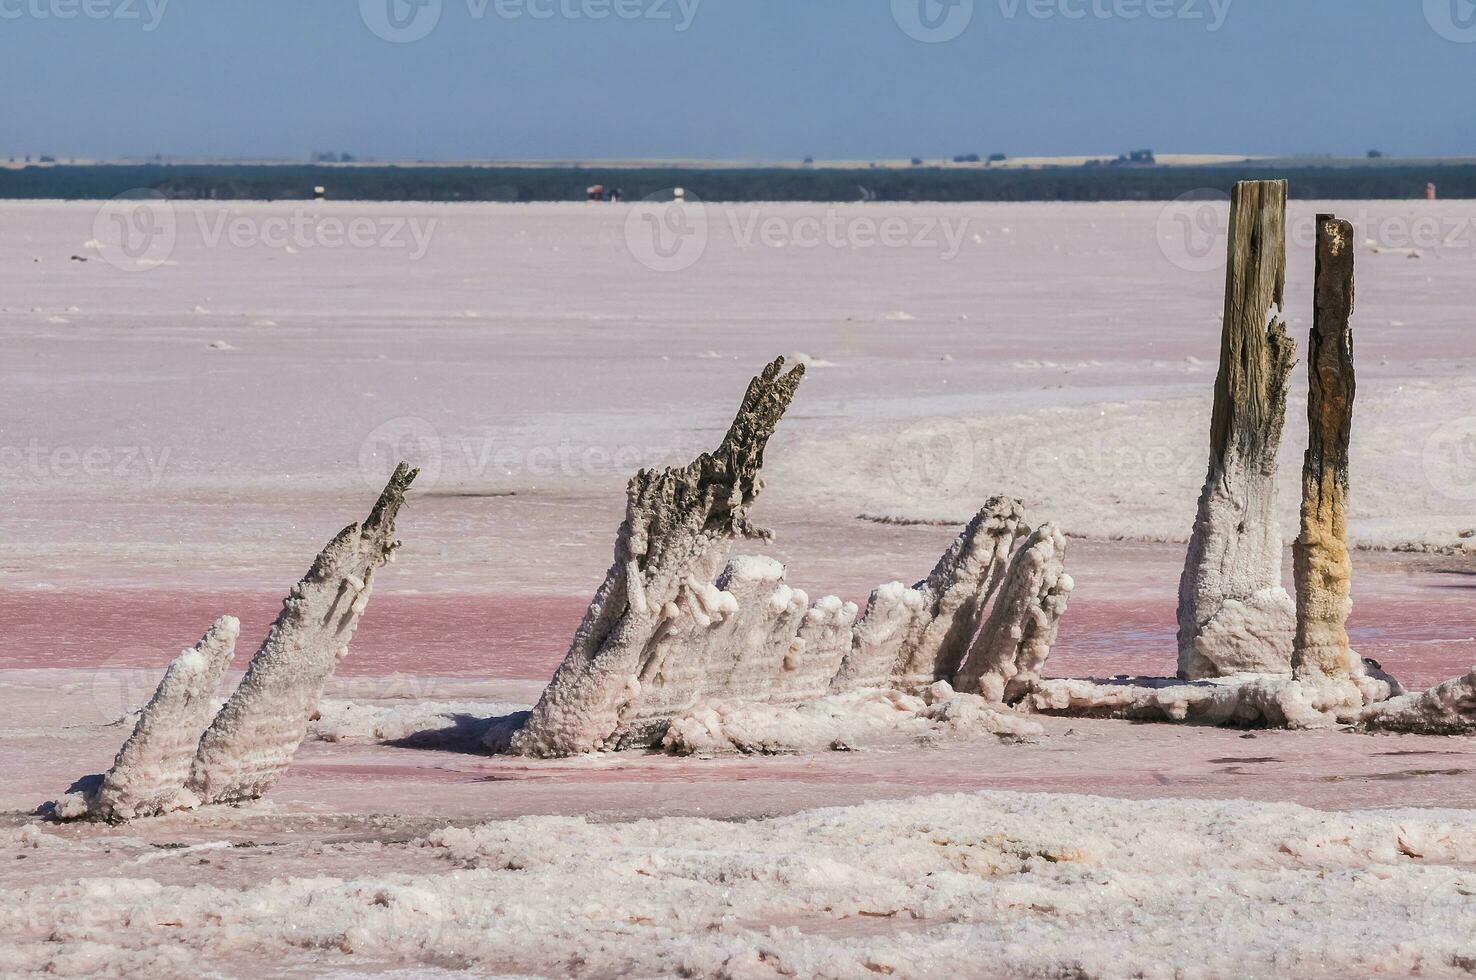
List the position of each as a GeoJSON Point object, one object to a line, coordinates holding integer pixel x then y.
{"type": "Point", "coordinates": [841, 721]}
{"type": "Point", "coordinates": [988, 885]}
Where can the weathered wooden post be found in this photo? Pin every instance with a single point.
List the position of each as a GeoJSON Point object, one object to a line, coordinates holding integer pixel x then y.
{"type": "Point", "coordinates": [257, 731]}
{"type": "Point", "coordinates": [1234, 614]}
{"type": "Point", "coordinates": [1323, 569]}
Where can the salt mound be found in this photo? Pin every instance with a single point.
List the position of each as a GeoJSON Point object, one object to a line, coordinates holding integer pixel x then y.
{"type": "Point", "coordinates": [840, 721]}
{"type": "Point", "coordinates": [800, 357]}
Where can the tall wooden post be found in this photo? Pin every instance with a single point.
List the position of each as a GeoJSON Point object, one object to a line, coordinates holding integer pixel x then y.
{"type": "Point", "coordinates": [1323, 569]}
{"type": "Point", "coordinates": [1234, 614]}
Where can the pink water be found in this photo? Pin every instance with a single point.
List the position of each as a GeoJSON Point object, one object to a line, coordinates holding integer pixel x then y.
{"type": "Point", "coordinates": [1414, 615]}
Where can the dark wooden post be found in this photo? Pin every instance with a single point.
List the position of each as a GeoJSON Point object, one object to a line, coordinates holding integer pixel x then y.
{"type": "Point", "coordinates": [1323, 569]}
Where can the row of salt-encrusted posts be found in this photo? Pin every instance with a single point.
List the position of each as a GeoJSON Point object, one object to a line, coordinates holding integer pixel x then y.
{"type": "Point", "coordinates": [1234, 615]}
{"type": "Point", "coordinates": [666, 631]}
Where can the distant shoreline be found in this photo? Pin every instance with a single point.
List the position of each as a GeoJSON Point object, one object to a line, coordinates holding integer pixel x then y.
{"type": "Point", "coordinates": [693, 163]}
{"type": "Point", "coordinates": [1021, 180]}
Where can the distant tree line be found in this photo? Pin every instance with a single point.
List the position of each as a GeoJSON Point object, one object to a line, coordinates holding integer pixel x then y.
{"type": "Point", "coordinates": [390, 183]}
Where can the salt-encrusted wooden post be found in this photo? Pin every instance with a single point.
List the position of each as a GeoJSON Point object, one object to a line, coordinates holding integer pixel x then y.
{"type": "Point", "coordinates": [255, 734]}
{"type": "Point", "coordinates": [1234, 614]}
{"type": "Point", "coordinates": [1323, 570]}
{"type": "Point", "coordinates": [679, 525]}
{"type": "Point", "coordinates": [154, 763]}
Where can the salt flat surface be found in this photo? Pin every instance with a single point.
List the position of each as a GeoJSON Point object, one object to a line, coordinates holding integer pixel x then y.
{"type": "Point", "coordinates": [1061, 355]}
{"type": "Point", "coordinates": [988, 885]}
{"type": "Point", "coordinates": [178, 439]}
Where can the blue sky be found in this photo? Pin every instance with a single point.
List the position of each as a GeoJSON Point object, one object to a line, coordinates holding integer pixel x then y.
{"type": "Point", "coordinates": [735, 78]}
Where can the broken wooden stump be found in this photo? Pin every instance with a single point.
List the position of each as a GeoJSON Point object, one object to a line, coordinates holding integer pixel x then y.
{"type": "Point", "coordinates": [1234, 615]}
{"type": "Point", "coordinates": [253, 738]}
{"type": "Point", "coordinates": [678, 526]}
{"type": "Point", "coordinates": [1323, 569]}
